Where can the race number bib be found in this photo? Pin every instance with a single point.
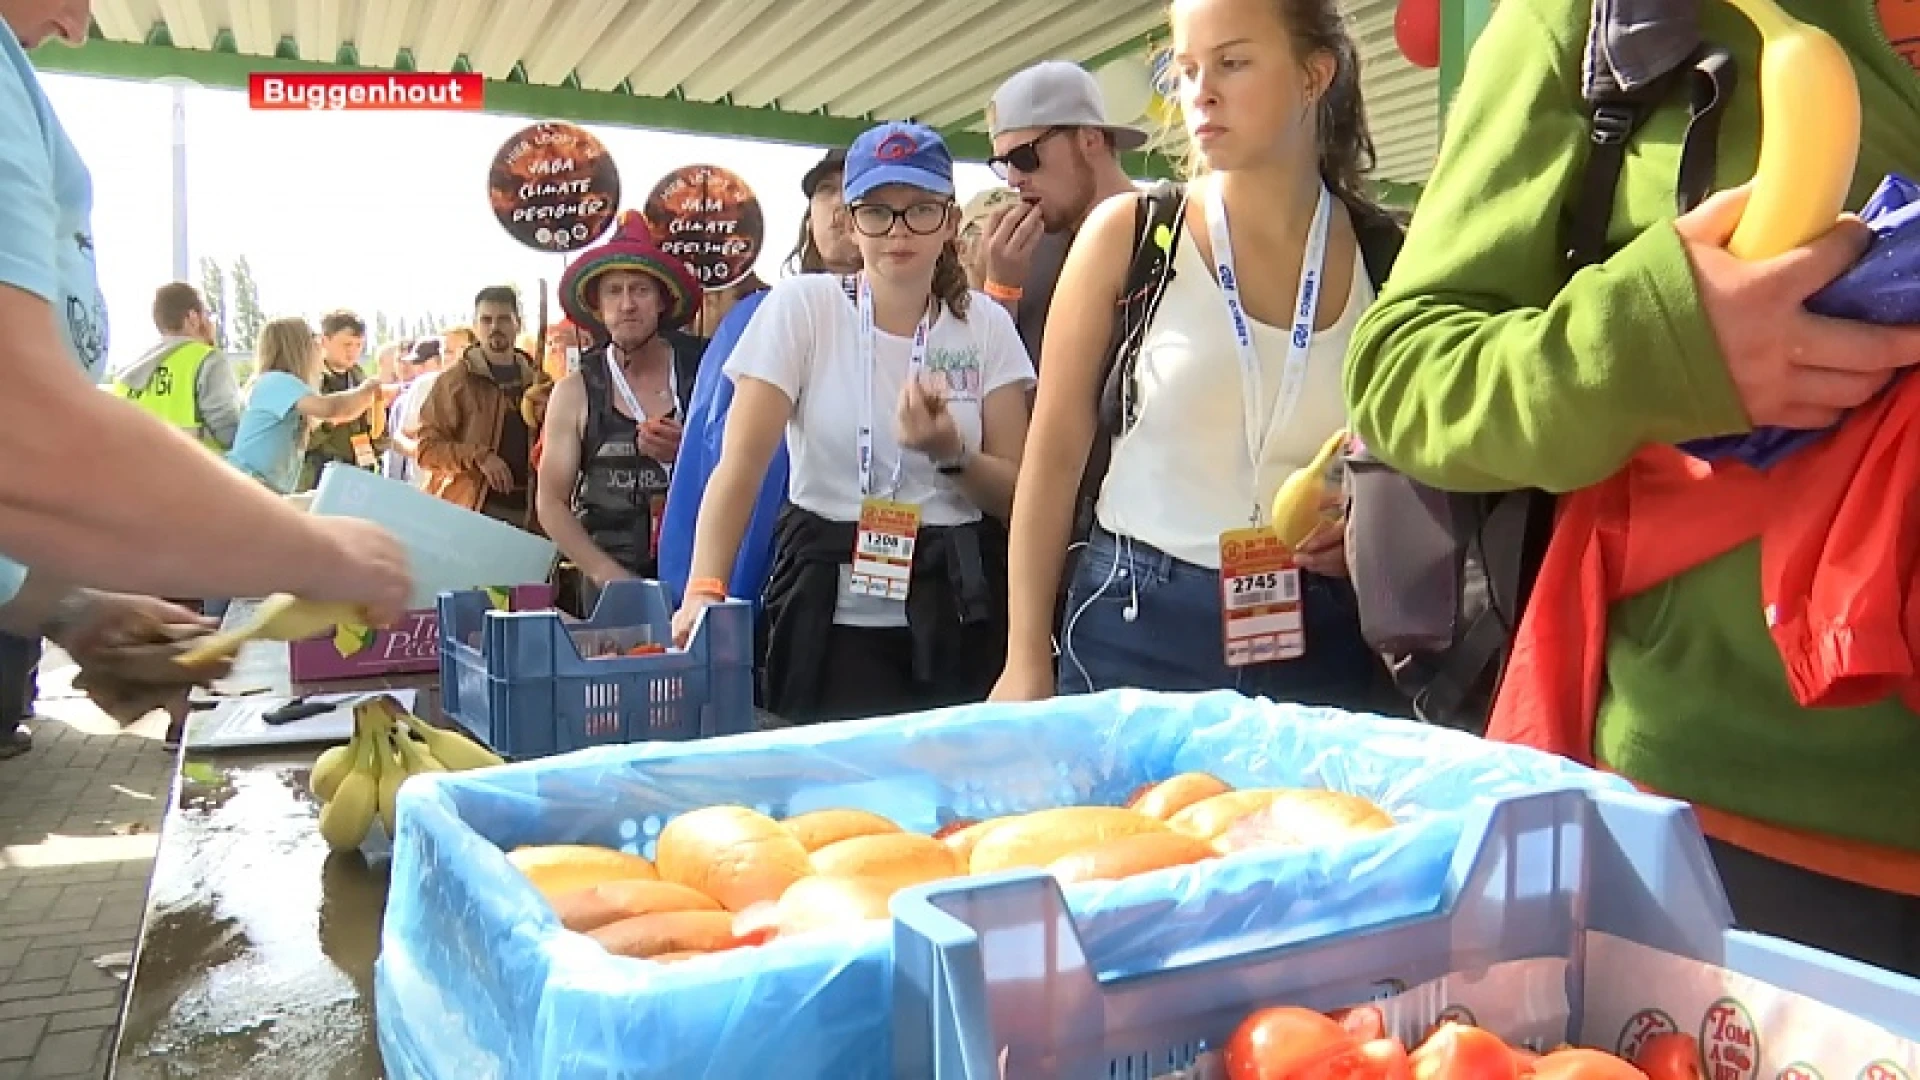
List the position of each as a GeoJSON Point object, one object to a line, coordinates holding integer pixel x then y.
{"type": "Point", "coordinates": [883, 549]}
{"type": "Point", "coordinates": [1259, 599]}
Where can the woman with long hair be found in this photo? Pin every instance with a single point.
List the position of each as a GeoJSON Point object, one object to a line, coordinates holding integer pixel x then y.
{"type": "Point", "coordinates": [284, 402]}
{"type": "Point", "coordinates": [902, 395]}
{"type": "Point", "coordinates": [1237, 383]}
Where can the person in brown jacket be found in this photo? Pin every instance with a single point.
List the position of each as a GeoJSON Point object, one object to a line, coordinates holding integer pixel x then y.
{"type": "Point", "coordinates": [473, 436]}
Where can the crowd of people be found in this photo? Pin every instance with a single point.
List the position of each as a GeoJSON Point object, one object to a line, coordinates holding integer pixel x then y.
{"type": "Point", "coordinates": [1038, 462]}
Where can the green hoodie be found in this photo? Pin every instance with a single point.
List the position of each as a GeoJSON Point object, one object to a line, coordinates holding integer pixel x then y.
{"type": "Point", "coordinates": [1483, 367]}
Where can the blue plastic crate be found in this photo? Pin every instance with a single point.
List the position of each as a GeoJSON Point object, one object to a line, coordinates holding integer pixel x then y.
{"type": "Point", "coordinates": [526, 691]}
{"type": "Point", "coordinates": [476, 978]}
{"type": "Point", "coordinates": [999, 964]}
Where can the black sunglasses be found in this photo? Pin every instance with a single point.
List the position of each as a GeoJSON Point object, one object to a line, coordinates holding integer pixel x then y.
{"type": "Point", "coordinates": [1026, 156]}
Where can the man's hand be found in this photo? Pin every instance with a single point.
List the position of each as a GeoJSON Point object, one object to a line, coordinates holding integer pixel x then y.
{"type": "Point", "coordinates": [498, 473]}
{"type": "Point", "coordinates": [660, 439]}
{"type": "Point", "coordinates": [368, 569]}
{"type": "Point", "coordinates": [111, 620]}
{"type": "Point", "coordinates": [127, 648]}
{"type": "Point", "coordinates": [1012, 233]}
{"type": "Point", "coordinates": [1792, 368]}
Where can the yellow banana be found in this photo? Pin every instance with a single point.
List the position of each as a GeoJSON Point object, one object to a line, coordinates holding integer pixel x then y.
{"type": "Point", "coordinates": [1296, 506]}
{"type": "Point", "coordinates": [392, 775]}
{"type": "Point", "coordinates": [331, 768]}
{"type": "Point", "coordinates": [417, 757]}
{"type": "Point", "coordinates": [280, 617]}
{"type": "Point", "coordinates": [451, 749]}
{"type": "Point", "coordinates": [345, 819]}
{"type": "Point", "coordinates": [1809, 135]}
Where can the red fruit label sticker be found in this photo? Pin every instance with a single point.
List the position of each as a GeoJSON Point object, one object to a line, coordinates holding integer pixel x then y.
{"type": "Point", "coordinates": [1729, 1042]}
{"type": "Point", "coordinates": [1640, 1027]}
{"type": "Point", "coordinates": [1883, 1070]}
{"type": "Point", "coordinates": [1799, 1070]}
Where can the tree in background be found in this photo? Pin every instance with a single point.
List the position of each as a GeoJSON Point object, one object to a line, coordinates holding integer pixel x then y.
{"type": "Point", "coordinates": [383, 328]}
{"type": "Point", "coordinates": [248, 319]}
{"type": "Point", "coordinates": [213, 290]}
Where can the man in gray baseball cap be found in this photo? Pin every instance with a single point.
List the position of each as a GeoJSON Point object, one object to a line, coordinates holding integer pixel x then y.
{"type": "Point", "coordinates": [1052, 143]}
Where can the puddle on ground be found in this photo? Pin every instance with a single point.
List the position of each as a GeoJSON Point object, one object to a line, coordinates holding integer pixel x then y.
{"type": "Point", "coordinates": [258, 954]}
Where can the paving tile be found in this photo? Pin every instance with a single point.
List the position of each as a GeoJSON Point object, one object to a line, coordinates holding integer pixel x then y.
{"type": "Point", "coordinates": [63, 1003]}
{"type": "Point", "coordinates": [108, 1018]}
{"type": "Point", "coordinates": [70, 1053]}
{"type": "Point", "coordinates": [19, 1038]}
{"type": "Point", "coordinates": [52, 963]}
{"type": "Point", "coordinates": [86, 975]}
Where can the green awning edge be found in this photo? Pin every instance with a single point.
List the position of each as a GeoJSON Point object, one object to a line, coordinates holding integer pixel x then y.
{"type": "Point", "coordinates": [229, 70]}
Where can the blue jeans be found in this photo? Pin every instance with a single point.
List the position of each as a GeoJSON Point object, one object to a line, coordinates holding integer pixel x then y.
{"type": "Point", "coordinates": [1174, 640]}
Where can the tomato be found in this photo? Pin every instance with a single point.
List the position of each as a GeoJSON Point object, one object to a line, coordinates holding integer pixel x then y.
{"type": "Point", "coordinates": [1385, 1059]}
{"type": "Point", "coordinates": [1362, 1021]}
{"type": "Point", "coordinates": [1460, 1052]}
{"type": "Point", "coordinates": [1285, 1043]}
{"type": "Point", "coordinates": [1584, 1065]}
{"type": "Point", "coordinates": [1523, 1060]}
{"type": "Point", "coordinates": [1672, 1056]}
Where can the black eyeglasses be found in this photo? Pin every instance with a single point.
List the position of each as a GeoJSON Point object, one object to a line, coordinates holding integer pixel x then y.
{"type": "Point", "coordinates": [876, 219]}
{"type": "Point", "coordinates": [1026, 156]}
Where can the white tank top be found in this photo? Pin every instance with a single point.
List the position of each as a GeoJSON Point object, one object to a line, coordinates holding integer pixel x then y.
{"type": "Point", "coordinates": [1181, 476]}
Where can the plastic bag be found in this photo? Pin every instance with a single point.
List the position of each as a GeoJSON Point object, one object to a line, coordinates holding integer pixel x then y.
{"type": "Point", "coordinates": [477, 979]}
{"type": "Point", "coordinates": [1883, 287]}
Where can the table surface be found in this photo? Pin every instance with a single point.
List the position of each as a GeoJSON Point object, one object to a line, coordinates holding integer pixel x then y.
{"type": "Point", "coordinates": [255, 957]}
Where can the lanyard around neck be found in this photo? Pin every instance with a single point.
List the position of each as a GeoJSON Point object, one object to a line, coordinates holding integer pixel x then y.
{"type": "Point", "coordinates": [628, 397]}
{"type": "Point", "coordinates": [869, 334]}
{"type": "Point", "coordinates": [1293, 376]}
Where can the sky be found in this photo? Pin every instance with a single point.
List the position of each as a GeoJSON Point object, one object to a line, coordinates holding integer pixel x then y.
{"type": "Point", "coordinates": [363, 210]}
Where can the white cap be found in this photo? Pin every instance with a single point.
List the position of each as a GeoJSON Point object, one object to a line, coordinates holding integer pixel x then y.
{"type": "Point", "coordinates": [1055, 93]}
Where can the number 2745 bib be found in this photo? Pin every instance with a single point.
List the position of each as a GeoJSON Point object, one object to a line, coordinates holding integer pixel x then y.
{"type": "Point", "coordinates": [1259, 599]}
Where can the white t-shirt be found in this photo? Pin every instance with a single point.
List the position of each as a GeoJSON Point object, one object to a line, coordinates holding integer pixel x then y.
{"type": "Point", "coordinates": [1181, 476]}
{"type": "Point", "coordinates": [805, 340]}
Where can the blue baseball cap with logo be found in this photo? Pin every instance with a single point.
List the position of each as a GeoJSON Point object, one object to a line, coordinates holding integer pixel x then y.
{"type": "Point", "coordinates": [898, 153]}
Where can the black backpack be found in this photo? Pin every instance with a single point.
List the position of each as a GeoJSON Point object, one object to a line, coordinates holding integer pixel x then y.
{"type": "Point", "coordinates": [1159, 216]}
{"type": "Point", "coordinates": [1443, 577]}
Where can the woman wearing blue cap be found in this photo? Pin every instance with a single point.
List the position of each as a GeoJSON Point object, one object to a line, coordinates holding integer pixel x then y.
{"type": "Point", "coordinates": [902, 395]}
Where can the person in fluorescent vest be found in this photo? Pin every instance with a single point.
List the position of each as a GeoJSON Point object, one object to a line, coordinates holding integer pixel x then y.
{"type": "Point", "coordinates": [185, 380]}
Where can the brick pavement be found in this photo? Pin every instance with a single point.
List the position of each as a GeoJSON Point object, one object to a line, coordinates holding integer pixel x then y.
{"type": "Point", "coordinates": [79, 817]}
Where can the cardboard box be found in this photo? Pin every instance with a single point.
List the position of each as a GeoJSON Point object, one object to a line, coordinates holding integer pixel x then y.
{"type": "Point", "coordinates": [411, 646]}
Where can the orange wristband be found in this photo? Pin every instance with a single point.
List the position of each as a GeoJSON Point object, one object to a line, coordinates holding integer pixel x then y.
{"type": "Point", "coordinates": [707, 586]}
{"type": "Point", "coordinates": [1003, 292]}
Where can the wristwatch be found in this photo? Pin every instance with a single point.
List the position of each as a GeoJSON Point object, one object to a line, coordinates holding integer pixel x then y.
{"type": "Point", "coordinates": [956, 465]}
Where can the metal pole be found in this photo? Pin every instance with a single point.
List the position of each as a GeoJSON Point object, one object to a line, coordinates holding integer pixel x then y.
{"type": "Point", "coordinates": [182, 271]}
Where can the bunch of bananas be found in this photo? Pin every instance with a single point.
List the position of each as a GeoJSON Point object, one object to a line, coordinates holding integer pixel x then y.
{"type": "Point", "coordinates": [360, 781]}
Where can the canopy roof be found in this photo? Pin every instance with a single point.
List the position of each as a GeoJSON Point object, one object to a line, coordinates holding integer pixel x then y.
{"type": "Point", "coordinates": [808, 71]}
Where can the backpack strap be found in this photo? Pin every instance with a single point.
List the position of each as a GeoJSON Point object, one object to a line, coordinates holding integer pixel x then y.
{"type": "Point", "coordinates": [1159, 217]}
{"type": "Point", "coordinates": [1638, 54]}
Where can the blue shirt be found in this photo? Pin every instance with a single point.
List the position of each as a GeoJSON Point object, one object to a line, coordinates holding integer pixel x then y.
{"type": "Point", "coordinates": [266, 446]}
{"type": "Point", "coordinates": [699, 453]}
{"type": "Point", "coordinates": [46, 230]}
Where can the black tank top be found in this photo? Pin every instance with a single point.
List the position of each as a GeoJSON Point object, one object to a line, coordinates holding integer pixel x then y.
{"type": "Point", "coordinates": [621, 491]}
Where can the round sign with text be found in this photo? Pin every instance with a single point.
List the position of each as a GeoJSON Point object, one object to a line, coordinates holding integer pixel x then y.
{"type": "Point", "coordinates": [709, 219]}
{"type": "Point", "coordinates": [554, 187]}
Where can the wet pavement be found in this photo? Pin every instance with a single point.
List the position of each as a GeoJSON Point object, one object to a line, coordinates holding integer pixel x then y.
{"type": "Point", "coordinates": [257, 956]}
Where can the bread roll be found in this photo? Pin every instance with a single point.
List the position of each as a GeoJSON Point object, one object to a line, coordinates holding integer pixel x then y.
{"type": "Point", "coordinates": [1210, 817]}
{"type": "Point", "coordinates": [1126, 856]}
{"type": "Point", "coordinates": [819, 828]}
{"type": "Point", "coordinates": [590, 909]}
{"type": "Point", "coordinates": [559, 869]}
{"type": "Point", "coordinates": [895, 859]}
{"type": "Point", "coordinates": [1303, 817]}
{"type": "Point", "coordinates": [645, 936]}
{"type": "Point", "coordinates": [1037, 839]}
{"type": "Point", "coordinates": [960, 841]}
{"type": "Point", "coordinates": [819, 903]}
{"type": "Point", "coordinates": [1176, 793]}
{"type": "Point", "coordinates": [737, 856]}
{"type": "Point", "coordinates": [677, 957]}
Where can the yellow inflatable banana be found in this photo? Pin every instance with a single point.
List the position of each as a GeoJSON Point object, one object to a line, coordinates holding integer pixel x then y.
{"type": "Point", "coordinates": [1809, 135]}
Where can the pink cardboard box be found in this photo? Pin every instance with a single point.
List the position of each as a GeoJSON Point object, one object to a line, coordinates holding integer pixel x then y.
{"type": "Point", "coordinates": [410, 646]}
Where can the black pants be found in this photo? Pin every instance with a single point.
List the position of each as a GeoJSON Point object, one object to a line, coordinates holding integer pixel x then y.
{"type": "Point", "coordinates": [19, 682]}
{"type": "Point", "coordinates": [1770, 897]}
{"type": "Point", "coordinates": [869, 672]}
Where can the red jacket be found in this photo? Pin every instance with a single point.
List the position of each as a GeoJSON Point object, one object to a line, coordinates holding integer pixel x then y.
{"type": "Point", "coordinates": [1837, 567]}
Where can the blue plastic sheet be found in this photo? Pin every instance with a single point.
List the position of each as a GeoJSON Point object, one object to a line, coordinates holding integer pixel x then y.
{"type": "Point", "coordinates": [1883, 287]}
{"type": "Point", "coordinates": [477, 980]}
